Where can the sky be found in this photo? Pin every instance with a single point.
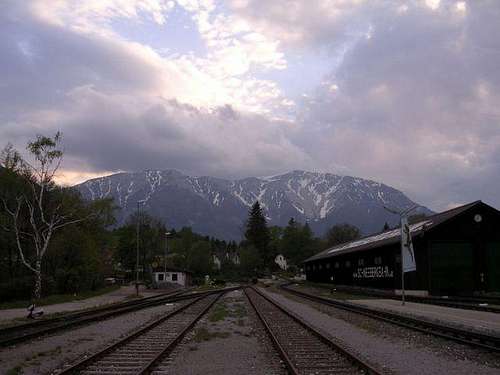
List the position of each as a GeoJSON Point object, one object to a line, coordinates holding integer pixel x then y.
{"type": "Point", "coordinates": [402, 92]}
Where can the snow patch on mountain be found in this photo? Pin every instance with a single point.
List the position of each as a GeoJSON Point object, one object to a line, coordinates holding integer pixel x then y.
{"type": "Point", "coordinates": [307, 196]}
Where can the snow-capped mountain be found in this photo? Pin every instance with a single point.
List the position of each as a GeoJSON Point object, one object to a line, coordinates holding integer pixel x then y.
{"type": "Point", "coordinates": [219, 207]}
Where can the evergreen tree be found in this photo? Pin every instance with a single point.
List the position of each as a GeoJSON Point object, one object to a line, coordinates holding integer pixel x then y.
{"type": "Point", "coordinates": [342, 233]}
{"type": "Point", "coordinates": [257, 233]}
{"type": "Point", "coordinates": [298, 242]}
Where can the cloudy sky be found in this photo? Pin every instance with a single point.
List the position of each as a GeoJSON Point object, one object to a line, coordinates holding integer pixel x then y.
{"type": "Point", "coordinates": [403, 92]}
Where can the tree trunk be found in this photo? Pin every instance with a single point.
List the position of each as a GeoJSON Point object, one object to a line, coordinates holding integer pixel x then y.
{"type": "Point", "coordinates": [38, 280]}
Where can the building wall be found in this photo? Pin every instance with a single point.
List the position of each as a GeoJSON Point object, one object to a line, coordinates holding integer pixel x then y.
{"type": "Point", "coordinates": [180, 278]}
{"type": "Point", "coordinates": [458, 257]}
{"type": "Point", "coordinates": [371, 268]}
{"type": "Point", "coordinates": [464, 255]}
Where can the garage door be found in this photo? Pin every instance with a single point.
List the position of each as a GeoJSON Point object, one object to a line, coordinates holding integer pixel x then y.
{"type": "Point", "coordinates": [452, 265]}
{"type": "Point", "coordinates": [493, 266]}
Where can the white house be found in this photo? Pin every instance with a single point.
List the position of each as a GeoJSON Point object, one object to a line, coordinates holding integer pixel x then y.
{"type": "Point", "coordinates": [229, 256]}
{"type": "Point", "coordinates": [171, 275]}
{"type": "Point", "coordinates": [281, 262]}
{"type": "Point", "coordinates": [216, 261]}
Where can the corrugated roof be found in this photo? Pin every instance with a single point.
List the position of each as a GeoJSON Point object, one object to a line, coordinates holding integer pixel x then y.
{"type": "Point", "coordinates": [391, 236]}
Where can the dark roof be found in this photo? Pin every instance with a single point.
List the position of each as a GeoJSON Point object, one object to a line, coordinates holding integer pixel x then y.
{"type": "Point", "coordinates": [392, 236]}
{"type": "Point", "coordinates": [169, 269]}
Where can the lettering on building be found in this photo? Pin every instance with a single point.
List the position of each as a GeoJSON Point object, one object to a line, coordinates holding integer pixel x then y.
{"type": "Point", "coordinates": [379, 272]}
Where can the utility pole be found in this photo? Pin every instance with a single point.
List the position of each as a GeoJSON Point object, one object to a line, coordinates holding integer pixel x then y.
{"type": "Point", "coordinates": [403, 220]}
{"type": "Point", "coordinates": [165, 256]}
{"type": "Point", "coordinates": [137, 258]}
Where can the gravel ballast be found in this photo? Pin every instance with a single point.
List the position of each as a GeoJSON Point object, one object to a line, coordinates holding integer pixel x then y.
{"type": "Point", "coordinates": [228, 340]}
{"type": "Point", "coordinates": [397, 350]}
{"type": "Point", "coordinates": [44, 355]}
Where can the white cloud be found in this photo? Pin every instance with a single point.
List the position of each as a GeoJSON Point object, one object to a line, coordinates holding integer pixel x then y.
{"type": "Point", "coordinates": [433, 4]}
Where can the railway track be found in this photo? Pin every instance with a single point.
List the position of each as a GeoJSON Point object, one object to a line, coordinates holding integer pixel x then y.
{"type": "Point", "coordinates": [471, 338]}
{"type": "Point", "coordinates": [485, 303]}
{"type": "Point", "coordinates": [303, 348]}
{"type": "Point", "coordinates": [23, 332]}
{"type": "Point", "coordinates": [144, 351]}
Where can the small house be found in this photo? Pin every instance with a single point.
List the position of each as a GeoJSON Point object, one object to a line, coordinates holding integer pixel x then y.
{"type": "Point", "coordinates": [163, 275]}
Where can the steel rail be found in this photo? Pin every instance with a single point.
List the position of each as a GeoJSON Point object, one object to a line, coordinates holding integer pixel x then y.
{"type": "Point", "coordinates": [286, 359]}
{"type": "Point", "coordinates": [148, 368]}
{"type": "Point", "coordinates": [76, 368]}
{"type": "Point", "coordinates": [19, 333]}
{"type": "Point", "coordinates": [485, 303]}
{"type": "Point", "coordinates": [74, 314]}
{"type": "Point", "coordinates": [462, 336]}
{"type": "Point", "coordinates": [354, 359]}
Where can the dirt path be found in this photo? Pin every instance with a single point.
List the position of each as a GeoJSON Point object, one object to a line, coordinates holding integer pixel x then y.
{"type": "Point", "coordinates": [121, 294]}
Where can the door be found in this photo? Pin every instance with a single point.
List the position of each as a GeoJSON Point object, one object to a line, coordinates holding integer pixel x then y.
{"type": "Point", "coordinates": [452, 268]}
{"type": "Point", "coordinates": [493, 266]}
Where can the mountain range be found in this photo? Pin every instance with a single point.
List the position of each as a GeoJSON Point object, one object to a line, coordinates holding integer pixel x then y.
{"type": "Point", "coordinates": [219, 207]}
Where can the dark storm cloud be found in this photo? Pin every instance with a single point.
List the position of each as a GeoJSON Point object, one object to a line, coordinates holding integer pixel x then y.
{"type": "Point", "coordinates": [417, 105]}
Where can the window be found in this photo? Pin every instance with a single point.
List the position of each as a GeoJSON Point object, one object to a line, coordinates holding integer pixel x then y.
{"type": "Point", "coordinates": [161, 277]}
{"type": "Point", "coordinates": [378, 261]}
{"type": "Point", "coordinates": [361, 262]}
{"type": "Point", "coordinates": [174, 277]}
{"type": "Point", "coordinates": [320, 267]}
{"type": "Point", "coordinates": [314, 267]}
{"type": "Point", "coordinates": [348, 263]}
{"type": "Point", "coordinates": [337, 265]}
{"type": "Point", "coordinates": [398, 258]}
{"type": "Point", "coordinates": [328, 266]}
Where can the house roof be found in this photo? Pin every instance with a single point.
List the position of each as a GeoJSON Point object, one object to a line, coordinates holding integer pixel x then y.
{"type": "Point", "coordinates": [392, 236]}
{"type": "Point", "coordinates": [169, 269]}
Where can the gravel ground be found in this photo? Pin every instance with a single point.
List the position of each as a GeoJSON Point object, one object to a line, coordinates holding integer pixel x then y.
{"type": "Point", "coordinates": [398, 350]}
{"type": "Point", "coordinates": [119, 295]}
{"type": "Point", "coordinates": [44, 355]}
{"type": "Point", "coordinates": [228, 340]}
{"type": "Point", "coordinates": [479, 321]}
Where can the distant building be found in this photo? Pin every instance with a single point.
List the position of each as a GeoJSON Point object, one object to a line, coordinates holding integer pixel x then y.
{"type": "Point", "coordinates": [171, 275]}
{"type": "Point", "coordinates": [281, 262]}
{"type": "Point", "coordinates": [216, 261]}
{"type": "Point", "coordinates": [233, 257]}
{"type": "Point", "coordinates": [229, 256]}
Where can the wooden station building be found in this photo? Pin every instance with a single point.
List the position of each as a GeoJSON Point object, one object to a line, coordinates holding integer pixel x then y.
{"type": "Point", "coordinates": [457, 252]}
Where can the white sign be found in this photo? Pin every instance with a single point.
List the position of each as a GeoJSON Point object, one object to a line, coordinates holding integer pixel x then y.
{"type": "Point", "coordinates": [407, 252]}
{"type": "Point", "coordinates": [380, 272]}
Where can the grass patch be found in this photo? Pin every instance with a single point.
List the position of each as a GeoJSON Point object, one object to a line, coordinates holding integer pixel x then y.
{"type": "Point", "coordinates": [218, 313]}
{"type": "Point", "coordinates": [239, 311]}
{"type": "Point", "coordinates": [203, 334]}
{"type": "Point", "coordinates": [59, 298]}
{"type": "Point", "coordinates": [15, 371]}
{"type": "Point", "coordinates": [35, 358]}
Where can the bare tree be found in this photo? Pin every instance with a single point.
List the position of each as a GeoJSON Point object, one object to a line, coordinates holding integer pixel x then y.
{"type": "Point", "coordinates": [36, 211]}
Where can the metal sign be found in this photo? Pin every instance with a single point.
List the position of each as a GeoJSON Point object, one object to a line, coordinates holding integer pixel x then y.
{"type": "Point", "coordinates": [408, 254]}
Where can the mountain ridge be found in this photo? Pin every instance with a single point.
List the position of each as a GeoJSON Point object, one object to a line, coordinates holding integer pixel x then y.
{"type": "Point", "coordinates": [219, 207]}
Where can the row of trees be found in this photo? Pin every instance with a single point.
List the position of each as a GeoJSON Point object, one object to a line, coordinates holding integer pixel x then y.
{"type": "Point", "coordinates": [36, 216]}
{"type": "Point", "coordinates": [52, 237]}
{"type": "Point", "coordinates": [296, 241]}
